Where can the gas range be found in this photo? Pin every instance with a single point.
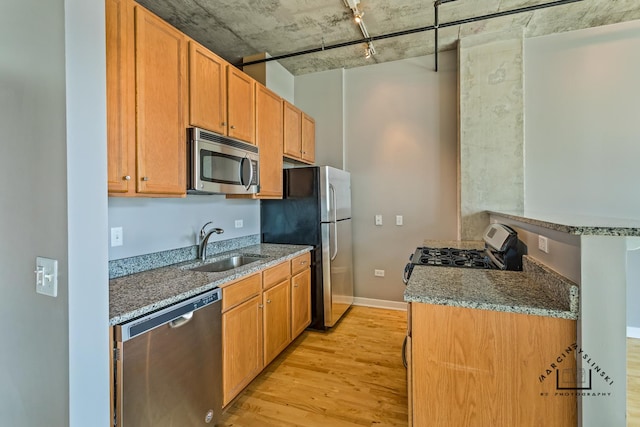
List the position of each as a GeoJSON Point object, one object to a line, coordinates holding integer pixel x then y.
{"type": "Point", "coordinates": [502, 251]}
{"type": "Point", "coordinates": [451, 257]}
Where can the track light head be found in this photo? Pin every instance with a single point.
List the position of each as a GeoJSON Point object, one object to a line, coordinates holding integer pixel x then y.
{"type": "Point", "coordinates": [357, 16]}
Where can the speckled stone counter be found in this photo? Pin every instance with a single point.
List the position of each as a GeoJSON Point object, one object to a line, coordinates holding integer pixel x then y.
{"type": "Point", "coordinates": [581, 225]}
{"type": "Point", "coordinates": [141, 293]}
{"type": "Point", "coordinates": [537, 290]}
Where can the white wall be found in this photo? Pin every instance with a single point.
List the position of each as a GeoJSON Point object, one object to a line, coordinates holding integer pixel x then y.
{"type": "Point", "coordinates": [86, 213]}
{"type": "Point", "coordinates": [633, 292]}
{"type": "Point", "coordinates": [153, 225]}
{"type": "Point", "coordinates": [34, 390]}
{"type": "Point", "coordinates": [52, 202]}
{"type": "Point", "coordinates": [582, 128]}
{"type": "Point", "coordinates": [400, 138]}
{"type": "Point", "coordinates": [321, 95]}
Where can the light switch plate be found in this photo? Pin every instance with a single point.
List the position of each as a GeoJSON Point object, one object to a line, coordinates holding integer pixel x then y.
{"type": "Point", "coordinates": [47, 276]}
{"type": "Point", "coordinates": [378, 219]}
{"type": "Point", "coordinates": [239, 223]}
{"type": "Point", "coordinates": [399, 220]}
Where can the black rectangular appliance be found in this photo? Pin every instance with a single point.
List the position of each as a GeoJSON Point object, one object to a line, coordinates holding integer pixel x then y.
{"type": "Point", "coordinates": [503, 251]}
{"type": "Point", "coordinates": [316, 210]}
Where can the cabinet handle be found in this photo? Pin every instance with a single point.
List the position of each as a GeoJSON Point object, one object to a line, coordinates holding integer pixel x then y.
{"type": "Point", "coordinates": [303, 262]}
{"type": "Point", "coordinates": [268, 301]}
{"type": "Point", "coordinates": [127, 178]}
{"type": "Point", "coordinates": [145, 178]}
{"type": "Point", "coordinates": [295, 285]}
{"type": "Point", "coordinates": [233, 127]}
{"type": "Point", "coordinates": [260, 306]}
{"type": "Point", "coordinates": [224, 123]}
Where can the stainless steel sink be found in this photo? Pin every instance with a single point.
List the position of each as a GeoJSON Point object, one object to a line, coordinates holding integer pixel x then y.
{"type": "Point", "coordinates": [227, 263]}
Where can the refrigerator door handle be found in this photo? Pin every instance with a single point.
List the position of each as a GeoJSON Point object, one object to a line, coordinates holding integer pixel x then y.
{"type": "Point", "coordinates": [335, 241]}
{"type": "Point", "coordinates": [332, 190]}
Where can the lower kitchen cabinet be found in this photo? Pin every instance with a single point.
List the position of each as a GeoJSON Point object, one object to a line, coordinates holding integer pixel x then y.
{"type": "Point", "coordinates": [482, 368]}
{"type": "Point", "coordinates": [241, 339]}
{"type": "Point", "coordinates": [257, 317]}
{"type": "Point", "coordinates": [277, 320]}
{"type": "Point", "coordinates": [300, 302]}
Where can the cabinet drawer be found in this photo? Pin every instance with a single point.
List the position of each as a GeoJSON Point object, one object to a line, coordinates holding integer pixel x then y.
{"type": "Point", "coordinates": [275, 275]}
{"type": "Point", "coordinates": [240, 291]}
{"type": "Point", "coordinates": [299, 263]}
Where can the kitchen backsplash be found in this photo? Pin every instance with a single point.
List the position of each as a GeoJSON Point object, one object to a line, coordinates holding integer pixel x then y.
{"type": "Point", "coordinates": [136, 264]}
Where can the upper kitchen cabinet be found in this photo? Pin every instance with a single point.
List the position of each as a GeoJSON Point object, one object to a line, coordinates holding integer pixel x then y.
{"type": "Point", "coordinates": [240, 105]}
{"type": "Point", "coordinates": [207, 89]}
{"type": "Point", "coordinates": [269, 141]}
{"type": "Point", "coordinates": [146, 110]}
{"type": "Point", "coordinates": [121, 149]}
{"type": "Point", "coordinates": [299, 135]}
{"type": "Point", "coordinates": [308, 139]}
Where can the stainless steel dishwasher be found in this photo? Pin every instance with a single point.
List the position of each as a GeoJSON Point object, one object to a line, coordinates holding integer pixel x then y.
{"type": "Point", "coordinates": [168, 366]}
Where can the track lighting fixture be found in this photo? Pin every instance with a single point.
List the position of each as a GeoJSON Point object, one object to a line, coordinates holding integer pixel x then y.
{"type": "Point", "coordinates": [369, 50]}
{"type": "Point", "coordinates": [357, 16]}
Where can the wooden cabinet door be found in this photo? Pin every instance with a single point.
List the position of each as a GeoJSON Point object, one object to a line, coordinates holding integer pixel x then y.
{"type": "Point", "coordinates": [121, 153]}
{"type": "Point", "coordinates": [207, 89]}
{"type": "Point", "coordinates": [489, 363]}
{"type": "Point", "coordinates": [300, 302]}
{"type": "Point", "coordinates": [161, 90]}
{"type": "Point", "coordinates": [277, 320]}
{"type": "Point", "coordinates": [308, 139]}
{"type": "Point", "coordinates": [292, 131]}
{"type": "Point", "coordinates": [241, 346]}
{"type": "Point", "coordinates": [241, 105]}
{"type": "Point", "coordinates": [269, 134]}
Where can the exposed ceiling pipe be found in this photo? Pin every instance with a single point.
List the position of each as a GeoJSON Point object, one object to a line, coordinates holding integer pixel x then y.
{"type": "Point", "coordinates": [413, 31]}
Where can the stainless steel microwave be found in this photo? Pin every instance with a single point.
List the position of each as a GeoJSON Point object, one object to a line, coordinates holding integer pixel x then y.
{"type": "Point", "coordinates": [221, 165]}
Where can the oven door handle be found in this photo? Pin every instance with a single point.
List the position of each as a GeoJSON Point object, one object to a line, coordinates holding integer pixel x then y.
{"type": "Point", "coordinates": [406, 273]}
{"type": "Point", "coordinates": [495, 260]}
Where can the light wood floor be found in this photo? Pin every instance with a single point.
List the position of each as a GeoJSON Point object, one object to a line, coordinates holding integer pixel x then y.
{"type": "Point", "coordinates": [350, 376]}
{"type": "Point", "coordinates": [633, 382]}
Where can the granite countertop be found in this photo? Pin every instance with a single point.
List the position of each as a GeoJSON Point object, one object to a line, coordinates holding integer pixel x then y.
{"type": "Point", "coordinates": [141, 293]}
{"type": "Point", "coordinates": [536, 290]}
{"type": "Point", "coordinates": [576, 224]}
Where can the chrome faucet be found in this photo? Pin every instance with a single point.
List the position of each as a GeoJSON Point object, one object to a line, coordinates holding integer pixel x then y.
{"type": "Point", "coordinates": [204, 239]}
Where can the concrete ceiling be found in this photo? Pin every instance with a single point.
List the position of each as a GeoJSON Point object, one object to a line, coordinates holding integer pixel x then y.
{"type": "Point", "coordinates": [238, 28]}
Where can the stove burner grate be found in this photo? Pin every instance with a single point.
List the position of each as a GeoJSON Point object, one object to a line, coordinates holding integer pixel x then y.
{"type": "Point", "coordinates": [452, 257]}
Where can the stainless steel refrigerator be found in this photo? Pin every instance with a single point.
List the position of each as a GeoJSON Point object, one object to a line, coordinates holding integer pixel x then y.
{"type": "Point", "coordinates": [316, 210]}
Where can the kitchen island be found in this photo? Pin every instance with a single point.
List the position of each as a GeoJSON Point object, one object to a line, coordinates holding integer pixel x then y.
{"type": "Point", "coordinates": [483, 345]}
{"type": "Point", "coordinates": [592, 251]}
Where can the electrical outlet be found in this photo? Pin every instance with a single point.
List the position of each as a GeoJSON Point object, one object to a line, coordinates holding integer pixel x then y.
{"type": "Point", "coordinates": [399, 219]}
{"type": "Point", "coordinates": [378, 219]}
{"type": "Point", "coordinates": [378, 273]}
{"type": "Point", "coordinates": [117, 237]}
{"type": "Point", "coordinates": [543, 244]}
{"type": "Point", "coordinates": [239, 223]}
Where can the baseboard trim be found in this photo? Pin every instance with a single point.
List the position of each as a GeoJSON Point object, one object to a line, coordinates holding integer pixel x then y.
{"type": "Point", "coordinates": [380, 303]}
{"type": "Point", "coordinates": [633, 332]}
